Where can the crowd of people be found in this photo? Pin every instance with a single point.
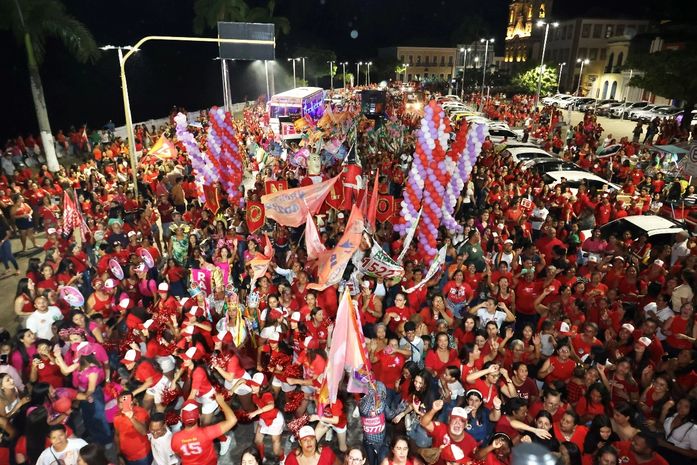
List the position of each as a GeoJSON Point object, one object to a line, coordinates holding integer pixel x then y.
{"type": "Point", "coordinates": [530, 333]}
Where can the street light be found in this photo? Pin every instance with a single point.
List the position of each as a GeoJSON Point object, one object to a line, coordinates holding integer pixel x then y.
{"type": "Point", "coordinates": [303, 59]}
{"type": "Point", "coordinates": [542, 59]}
{"type": "Point", "coordinates": [127, 109]}
{"type": "Point", "coordinates": [464, 68]}
{"type": "Point", "coordinates": [580, 75]}
{"type": "Point", "coordinates": [406, 65]}
{"type": "Point", "coordinates": [486, 51]}
{"type": "Point", "coordinates": [358, 73]}
{"type": "Point", "coordinates": [343, 65]}
{"type": "Point", "coordinates": [331, 71]}
{"type": "Point", "coordinates": [367, 73]}
{"type": "Point", "coordinates": [294, 60]}
{"type": "Point", "coordinates": [561, 68]}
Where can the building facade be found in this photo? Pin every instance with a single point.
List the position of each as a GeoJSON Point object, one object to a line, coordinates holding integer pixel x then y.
{"type": "Point", "coordinates": [591, 39]}
{"type": "Point", "coordinates": [521, 34]}
{"type": "Point", "coordinates": [424, 62]}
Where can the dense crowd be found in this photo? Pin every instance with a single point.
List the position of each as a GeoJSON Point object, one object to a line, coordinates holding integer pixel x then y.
{"type": "Point", "coordinates": [531, 333]}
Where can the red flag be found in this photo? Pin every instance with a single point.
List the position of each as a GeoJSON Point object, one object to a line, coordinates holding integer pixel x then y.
{"type": "Point", "coordinates": [210, 191]}
{"type": "Point", "coordinates": [373, 205]}
{"type": "Point", "coordinates": [385, 208]}
{"type": "Point", "coordinates": [335, 199]}
{"type": "Point", "coordinates": [72, 218]}
{"type": "Point", "coordinates": [255, 216]}
{"type": "Point", "coordinates": [275, 186]}
{"type": "Point", "coordinates": [163, 149]}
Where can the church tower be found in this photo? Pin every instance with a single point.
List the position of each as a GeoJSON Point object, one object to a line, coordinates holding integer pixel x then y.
{"type": "Point", "coordinates": [520, 33]}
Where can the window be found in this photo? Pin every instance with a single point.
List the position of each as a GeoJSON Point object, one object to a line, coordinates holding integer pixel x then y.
{"type": "Point", "coordinates": [603, 53]}
{"type": "Point", "coordinates": [418, 60]}
{"type": "Point", "coordinates": [583, 53]}
{"type": "Point", "coordinates": [411, 59]}
{"type": "Point", "coordinates": [401, 58]}
{"type": "Point", "coordinates": [608, 31]}
{"type": "Point", "coordinates": [450, 61]}
{"type": "Point", "coordinates": [593, 54]}
{"type": "Point", "coordinates": [586, 30]}
{"type": "Point", "coordinates": [597, 30]}
{"type": "Point", "coordinates": [620, 59]}
{"type": "Point", "coordinates": [619, 30]}
{"type": "Point", "coordinates": [569, 32]}
{"type": "Point", "coordinates": [435, 61]}
{"type": "Point", "coordinates": [442, 61]}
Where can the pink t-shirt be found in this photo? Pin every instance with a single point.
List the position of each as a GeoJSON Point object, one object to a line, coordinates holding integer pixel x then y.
{"type": "Point", "coordinates": [82, 381]}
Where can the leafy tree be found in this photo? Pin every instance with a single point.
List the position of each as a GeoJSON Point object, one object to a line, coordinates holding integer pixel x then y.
{"type": "Point", "coordinates": [207, 13]}
{"type": "Point", "coordinates": [669, 73]}
{"type": "Point", "coordinates": [33, 22]}
{"type": "Point", "coordinates": [527, 80]}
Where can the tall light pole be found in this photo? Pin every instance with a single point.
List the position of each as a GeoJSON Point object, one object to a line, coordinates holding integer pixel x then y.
{"type": "Point", "coordinates": [293, 60]}
{"type": "Point", "coordinates": [303, 59]}
{"type": "Point", "coordinates": [580, 75]}
{"type": "Point", "coordinates": [464, 68]}
{"type": "Point", "coordinates": [343, 65]}
{"type": "Point", "coordinates": [406, 67]}
{"type": "Point", "coordinates": [331, 72]}
{"type": "Point", "coordinates": [561, 69]}
{"type": "Point", "coordinates": [127, 110]}
{"type": "Point", "coordinates": [486, 51]}
{"type": "Point", "coordinates": [367, 73]}
{"type": "Point", "coordinates": [542, 58]}
{"type": "Point", "coordinates": [358, 72]}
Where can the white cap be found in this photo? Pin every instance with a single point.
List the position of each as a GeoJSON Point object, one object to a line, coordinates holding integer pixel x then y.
{"type": "Point", "coordinates": [124, 303]}
{"type": "Point", "coordinates": [366, 284]}
{"type": "Point", "coordinates": [306, 431]}
{"type": "Point", "coordinates": [148, 323]}
{"type": "Point", "coordinates": [131, 233]}
{"type": "Point", "coordinates": [274, 337]}
{"type": "Point", "coordinates": [295, 316]}
{"type": "Point", "coordinates": [340, 216]}
{"type": "Point", "coordinates": [508, 241]}
{"type": "Point", "coordinates": [131, 355]}
{"type": "Point", "coordinates": [629, 327]}
{"type": "Point", "coordinates": [190, 352]}
{"type": "Point", "coordinates": [258, 379]}
{"type": "Point", "coordinates": [109, 284]}
{"type": "Point", "coordinates": [658, 262]}
{"type": "Point", "coordinates": [645, 341]}
{"type": "Point", "coordinates": [190, 406]}
{"type": "Point", "coordinates": [163, 287]}
{"type": "Point", "coordinates": [51, 231]}
{"type": "Point", "coordinates": [564, 327]}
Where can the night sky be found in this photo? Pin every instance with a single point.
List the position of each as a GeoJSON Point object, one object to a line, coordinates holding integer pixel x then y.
{"type": "Point", "coordinates": [166, 74]}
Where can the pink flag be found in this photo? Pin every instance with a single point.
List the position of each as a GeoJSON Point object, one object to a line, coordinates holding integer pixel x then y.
{"type": "Point", "coordinates": [290, 207]}
{"type": "Point", "coordinates": [347, 352]}
{"type": "Point", "coordinates": [313, 244]}
{"type": "Point", "coordinates": [202, 278]}
{"type": "Point", "coordinates": [332, 263]}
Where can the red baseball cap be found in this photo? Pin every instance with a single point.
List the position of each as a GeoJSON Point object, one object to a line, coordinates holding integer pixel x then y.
{"type": "Point", "coordinates": [190, 412]}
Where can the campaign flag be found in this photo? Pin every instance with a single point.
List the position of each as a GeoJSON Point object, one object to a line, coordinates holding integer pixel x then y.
{"type": "Point", "coordinates": [432, 270]}
{"type": "Point", "coordinates": [274, 186]}
{"type": "Point", "coordinates": [225, 271]}
{"type": "Point", "coordinates": [201, 278]}
{"type": "Point", "coordinates": [385, 208]}
{"type": "Point", "coordinates": [335, 199]}
{"type": "Point", "coordinates": [347, 353]}
{"type": "Point", "coordinates": [163, 149]}
{"type": "Point", "coordinates": [260, 262]}
{"type": "Point", "coordinates": [332, 263]}
{"type": "Point", "coordinates": [84, 140]}
{"type": "Point", "coordinates": [255, 216]}
{"type": "Point", "coordinates": [313, 244]}
{"type": "Point", "coordinates": [72, 218]}
{"type": "Point", "coordinates": [290, 207]}
{"type": "Point", "coordinates": [408, 238]}
{"type": "Point", "coordinates": [210, 192]}
{"type": "Point", "coordinates": [379, 264]}
{"type": "Point", "coordinates": [371, 214]}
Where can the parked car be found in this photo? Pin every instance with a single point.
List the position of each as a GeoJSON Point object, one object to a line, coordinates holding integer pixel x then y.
{"type": "Point", "coordinates": [636, 113]}
{"type": "Point", "coordinates": [584, 103]}
{"type": "Point", "coordinates": [664, 112]}
{"type": "Point", "coordinates": [660, 230]}
{"type": "Point", "coordinates": [519, 154]}
{"type": "Point", "coordinates": [606, 108]}
{"type": "Point", "coordinates": [574, 179]}
{"type": "Point", "coordinates": [498, 135]}
{"type": "Point", "coordinates": [545, 165]}
{"type": "Point", "coordinates": [620, 111]}
{"type": "Point", "coordinates": [556, 99]}
{"type": "Point", "coordinates": [567, 102]}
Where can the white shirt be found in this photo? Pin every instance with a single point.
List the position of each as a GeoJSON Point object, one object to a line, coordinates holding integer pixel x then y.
{"type": "Point", "coordinates": [538, 212]}
{"type": "Point", "coordinates": [484, 316]}
{"type": "Point", "coordinates": [662, 315]}
{"type": "Point", "coordinates": [677, 251]}
{"type": "Point", "coordinates": [162, 450]}
{"type": "Point", "coordinates": [41, 322]}
{"type": "Point", "coordinates": [684, 436]}
{"type": "Point", "coordinates": [69, 455]}
{"type": "Point", "coordinates": [416, 346]}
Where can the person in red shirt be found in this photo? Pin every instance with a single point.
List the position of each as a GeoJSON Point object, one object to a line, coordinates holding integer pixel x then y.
{"type": "Point", "coordinates": [131, 427]}
{"type": "Point", "coordinates": [194, 444]}
{"type": "Point", "coordinates": [457, 293]}
{"type": "Point", "coordinates": [641, 450]}
{"type": "Point", "coordinates": [388, 364]}
{"type": "Point", "coordinates": [455, 432]}
{"type": "Point", "coordinates": [334, 417]}
{"type": "Point", "coordinates": [270, 422]}
{"type": "Point", "coordinates": [558, 367]}
{"type": "Point", "coordinates": [397, 313]}
{"type": "Point", "coordinates": [150, 377]}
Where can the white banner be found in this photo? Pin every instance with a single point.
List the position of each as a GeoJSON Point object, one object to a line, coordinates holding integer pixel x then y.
{"type": "Point", "coordinates": [433, 269]}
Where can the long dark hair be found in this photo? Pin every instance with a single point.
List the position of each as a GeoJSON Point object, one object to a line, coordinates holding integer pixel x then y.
{"type": "Point", "coordinates": [93, 454]}
{"type": "Point", "coordinates": [590, 444]}
{"type": "Point", "coordinates": [22, 287]}
{"type": "Point", "coordinates": [574, 452]}
{"type": "Point", "coordinates": [20, 347]}
{"type": "Point", "coordinates": [36, 430]}
{"type": "Point", "coordinates": [604, 396]}
{"type": "Point", "coordinates": [394, 442]}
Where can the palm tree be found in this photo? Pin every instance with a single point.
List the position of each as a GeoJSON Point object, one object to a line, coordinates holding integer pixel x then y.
{"type": "Point", "coordinates": [207, 13]}
{"type": "Point", "coordinates": [32, 22]}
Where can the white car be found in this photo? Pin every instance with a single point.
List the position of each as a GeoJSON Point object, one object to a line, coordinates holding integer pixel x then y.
{"type": "Point", "coordinates": [568, 102]}
{"type": "Point", "coordinates": [620, 111]}
{"type": "Point", "coordinates": [545, 165]}
{"type": "Point", "coordinates": [556, 99]}
{"type": "Point", "coordinates": [660, 230]}
{"type": "Point", "coordinates": [574, 179]}
{"type": "Point", "coordinates": [635, 114]}
{"type": "Point", "coordinates": [519, 154]}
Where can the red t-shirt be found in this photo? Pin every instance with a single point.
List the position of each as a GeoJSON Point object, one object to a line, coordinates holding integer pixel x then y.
{"type": "Point", "coordinates": [146, 370]}
{"type": "Point", "coordinates": [261, 402]}
{"type": "Point", "coordinates": [133, 445]}
{"type": "Point", "coordinates": [627, 457]}
{"type": "Point", "coordinates": [441, 438]}
{"type": "Point", "coordinates": [195, 446]}
{"type": "Point", "coordinates": [433, 361]}
{"type": "Point", "coordinates": [200, 382]}
{"type": "Point", "coordinates": [389, 367]}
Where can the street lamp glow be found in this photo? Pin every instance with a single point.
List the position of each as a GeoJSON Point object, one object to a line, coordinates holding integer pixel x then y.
{"type": "Point", "coordinates": [542, 58]}
{"type": "Point", "coordinates": [585, 62]}
{"type": "Point", "coordinates": [486, 52]}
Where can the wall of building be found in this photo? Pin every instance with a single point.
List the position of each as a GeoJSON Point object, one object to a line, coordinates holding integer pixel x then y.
{"type": "Point", "coordinates": [424, 62]}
